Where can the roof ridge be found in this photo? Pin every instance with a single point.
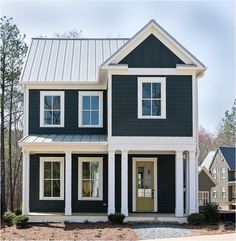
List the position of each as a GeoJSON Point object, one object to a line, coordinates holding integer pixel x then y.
{"type": "Point", "coordinates": [55, 38]}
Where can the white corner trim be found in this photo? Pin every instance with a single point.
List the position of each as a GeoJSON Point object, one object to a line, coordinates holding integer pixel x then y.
{"type": "Point", "coordinates": [90, 159]}
{"type": "Point", "coordinates": [162, 81]}
{"type": "Point", "coordinates": [26, 112]}
{"type": "Point", "coordinates": [62, 109]}
{"type": "Point", "coordinates": [25, 183]}
{"type": "Point", "coordinates": [68, 183]}
{"type": "Point", "coordinates": [42, 160]}
{"type": "Point", "coordinates": [91, 93]}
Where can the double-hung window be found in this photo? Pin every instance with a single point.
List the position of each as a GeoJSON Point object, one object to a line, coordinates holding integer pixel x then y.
{"type": "Point", "coordinates": [214, 172]}
{"type": "Point", "coordinates": [51, 109]}
{"type": "Point", "coordinates": [51, 178]}
{"type": "Point", "coordinates": [223, 172]}
{"type": "Point", "coordinates": [90, 109]}
{"type": "Point", "coordinates": [214, 193]}
{"type": "Point", "coordinates": [203, 198]}
{"type": "Point", "coordinates": [90, 178]}
{"type": "Point", "coordinates": [223, 192]}
{"type": "Point", "coordinates": [151, 98]}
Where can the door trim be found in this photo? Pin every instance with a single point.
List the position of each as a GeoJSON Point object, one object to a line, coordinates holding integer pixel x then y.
{"type": "Point", "coordinates": [150, 159]}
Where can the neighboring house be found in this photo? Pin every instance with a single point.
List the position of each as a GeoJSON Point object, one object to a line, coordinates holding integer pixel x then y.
{"type": "Point", "coordinates": [107, 122]}
{"type": "Point", "coordinates": [222, 169]}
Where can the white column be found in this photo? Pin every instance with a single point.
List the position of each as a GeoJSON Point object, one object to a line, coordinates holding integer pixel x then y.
{"type": "Point", "coordinates": [25, 176]}
{"type": "Point", "coordinates": [124, 182]}
{"type": "Point", "coordinates": [179, 178]}
{"type": "Point", "coordinates": [68, 185]}
{"type": "Point", "coordinates": [187, 186]}
{"type": "Point", "coordinates": [111, 182]}
{"type": "Point", "coordinates": [192, 183]}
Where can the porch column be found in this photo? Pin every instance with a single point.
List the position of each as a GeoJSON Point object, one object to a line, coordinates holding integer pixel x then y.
{"type": "Point", "coordinates": [179, 178]}
{"type": "Point", "coordinates": [124, 182]}
{"type": "Point", "coordinates": [192, 183]}
{"type": "Point", "coordinates": [25, 176]}
{"type": "Point", "coordinates": [68, 183]}
{"type": "Point", "coordinates": [111, 182]}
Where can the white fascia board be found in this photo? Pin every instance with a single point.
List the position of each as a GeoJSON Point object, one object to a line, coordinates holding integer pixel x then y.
{"type": "Point", "coordinates": [153, 28]}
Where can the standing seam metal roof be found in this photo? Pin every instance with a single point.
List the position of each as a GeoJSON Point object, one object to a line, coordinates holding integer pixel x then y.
{"type": "Point", "coordinates": [62, 60]}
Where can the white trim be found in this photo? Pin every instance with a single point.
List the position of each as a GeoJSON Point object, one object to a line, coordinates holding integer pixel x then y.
{"type": "Point", "coordinates": [68, 183]}
{"type": "Point", "coordinates": [193, 189]}
{"type": "Point", "coordinates": [90, 159]}
{"type": "Point", "coordinates": [150, 159]}
{"type": "Point", "coordinates": [111, 182]}
{"type": "Point", "coordinates": [62, 110]}
{"type": "Point", "coordinates": [63, 85]}
{"type": "Point", "coordinates": [109, 105]}
{"type": "Point", "coordinates": [203, 168]}
{"type": "Point", "coordinates": [25, 183]}
{"type": "Point", "coordinates": [26, 112]}
{"type": "Point", "coordinates": [162, 81]}
{"type": "Point", "coordinates": [41, 178]}
{"type": "Point", "coordinates": [124, 182]}
{"type": "Point", "coordinates": [91, 93]}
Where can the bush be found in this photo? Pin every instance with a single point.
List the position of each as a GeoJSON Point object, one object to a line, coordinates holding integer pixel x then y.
{"type": "Point", "coordinates": [196, 218]}
{"type": "Point", "coordinates": [18, 212]}
{"type": "Point", "coordinates": [211, 213]}
{"type": "Point", "coordinates": [21, 221]}
{"type": "Point", "coordinates": [9, 218]}
{"type": "Point", "coordinates": [116, 218]}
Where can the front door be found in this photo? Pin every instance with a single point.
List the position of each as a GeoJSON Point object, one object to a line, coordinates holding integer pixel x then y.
{"type": "Point", "coordinates": [144, 186]}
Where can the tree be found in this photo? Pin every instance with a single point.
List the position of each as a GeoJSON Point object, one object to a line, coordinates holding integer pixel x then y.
{"type": "Point", "coordinates": [12, 52]}
{"type": "Point", "coordinates": [226, 130]}
{"type": "Point", "coordinates": [206, 143]}
{"type": "Point", "coordinates": [74, 33]}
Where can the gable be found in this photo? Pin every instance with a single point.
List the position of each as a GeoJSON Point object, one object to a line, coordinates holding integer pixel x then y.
{"type": "Point", "coordinates": [151, 53]}
{"type": "Point", "coordinates": [229, 155]}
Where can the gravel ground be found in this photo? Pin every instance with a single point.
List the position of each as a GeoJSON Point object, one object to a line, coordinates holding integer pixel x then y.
{"type": "Point", "coordinates": [158, 231]}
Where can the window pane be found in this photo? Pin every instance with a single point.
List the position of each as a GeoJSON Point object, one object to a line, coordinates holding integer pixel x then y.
{"type": "Point", "coordinates": [86, 102]}
{"type": "Point", "coordinates": [95, 103]}
{"type": "Point", "coordinates": [86, 118]}
{"type": "Point", "coordinates": [47, 188]}
{"type": "Point", "coordinates": [156, 107]}
{"type": "Point", "coordinates": [47, 170]}
{"type": "Point", "coordinates": [94, 170]}
{"type": "Point", "coordinates": [47, 117]}
{"type": "Point", "coordinates": [146, 110]}
{"type": "Point", "coordinates": [86, 188]}
{"type": "Point", "coordinates": [146, 90]}
{"type": "Point", "coordinates": [86, 170]}
{"type": "Point", "coordinates": [56, 170]}
{"type": "Point", "coordinates": [56, 102]}
{"type": "Point", "coordinates": [56, 188]}
{"type": "Point", "coordinates": [156, 90]}
{"type": "Point", "coordinates": [56, 118]}
{"type": "Point", "coordinates": [47, 102]}
{"type": "Point", "coordinates": [95, 188]}
{"type": "Point", "coordinates": [94, 117]}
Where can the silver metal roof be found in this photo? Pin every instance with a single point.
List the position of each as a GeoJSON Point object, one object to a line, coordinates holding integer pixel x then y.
{"type": "Point", "coordinates": [56, 139]}
{"type": "Point", "coordinates": [62, 60]}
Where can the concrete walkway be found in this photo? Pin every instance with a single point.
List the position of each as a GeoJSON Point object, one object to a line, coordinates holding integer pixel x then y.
{"type": "Point", "coordinates": [218, 237]}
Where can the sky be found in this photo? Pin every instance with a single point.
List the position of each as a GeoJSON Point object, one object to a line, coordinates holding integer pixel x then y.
{"type": "Point", "coordinates": [206, 28]}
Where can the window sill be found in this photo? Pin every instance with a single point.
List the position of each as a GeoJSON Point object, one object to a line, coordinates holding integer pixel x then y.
{"type": "Point", "coordinates": [151, 117]}
{"type": "Point", "coordinates": [51, 126]}
{"type": "Point", "coordinates": [91, 199]}
{"type": "Point", "coordinates": [90, 126]}
{"type": "Point", "coordinates": [51, 199]}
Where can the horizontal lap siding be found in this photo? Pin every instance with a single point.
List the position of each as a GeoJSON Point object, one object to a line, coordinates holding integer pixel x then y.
{"type": "Point", "coordinates": [125, 120]}
{"type": "Point", "coordinates": [37, 205]}
{"type": "Point", "coordinates": [85, 205]}
{"type": "Point", "coordinates": [70, 113]}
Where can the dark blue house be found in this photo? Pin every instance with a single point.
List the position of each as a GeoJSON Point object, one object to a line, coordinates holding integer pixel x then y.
{"type": "Point", "coordinates": [110, 126]}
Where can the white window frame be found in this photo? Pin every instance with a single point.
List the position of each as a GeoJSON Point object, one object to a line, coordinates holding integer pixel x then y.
{"type": "Point", "coordinates": [162, 81]}
{"type": "Point", "coordinates": [90, 159]}
{"type": "Point", "coordinates": [223, 172]}
{"type": "Point", "coordinates": [214, 172]}
{"type": "Point", "coordinates": [91, 93]}
{"type": "Point", "coordinates": [214, 194]}
{"type": "Point", "coordinates": [41, 181]}
{"type": "Point", "coordinates": [223, 193]}
{"type": "Point", "coordinates": [52, 93]}
{"type": "Point", "coordinates": [203, 197]}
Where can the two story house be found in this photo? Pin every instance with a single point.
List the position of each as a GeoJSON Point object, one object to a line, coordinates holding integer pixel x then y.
{"type": "Point", "coordinates": [110, 125]}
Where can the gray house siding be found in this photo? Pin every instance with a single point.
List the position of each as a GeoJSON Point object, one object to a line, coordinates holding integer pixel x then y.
{"type": "Point", "coordinates": [151, 53]}
{"type": "Point", "coordinates": [70, 113]}
{"type": "Point", "coordinates": [125, 120]}
{"type": "Point", "coordinates": [35, 204]}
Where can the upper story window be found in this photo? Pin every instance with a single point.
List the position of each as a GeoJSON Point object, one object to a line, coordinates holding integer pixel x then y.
{"type": "Point", "coordinates": [51, 109]}
{"type": "Point", "coordinates": [90, 109]}
{"type": "Point", "coordinates": [223, 172]}
{"type": "Point", "coordinates": [51, 178]}
{"type": "Point", "coordinates": [214, 193]}
{"type": "Point", "coordinates": [151, 98]}
{"type": "Point", "coordinates": [214, 172]}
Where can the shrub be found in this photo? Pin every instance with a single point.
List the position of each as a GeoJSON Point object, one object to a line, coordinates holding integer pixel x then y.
{"type": "Point", "coordinates": [211, 213]}
{"type": "Point", "coordinates": [116, 218]}
{"type": "Point", "coordinates": [21, 221]}
{"type": "Point", "coordinates": [9, 218]}
{"type": "Point", "coordinates": [196, 218]}
{"type": "Point", "coordinates": [18, 212]}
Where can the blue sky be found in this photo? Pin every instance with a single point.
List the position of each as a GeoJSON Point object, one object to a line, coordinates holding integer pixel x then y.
{"type": "Point", "coordinates": [205, 28]}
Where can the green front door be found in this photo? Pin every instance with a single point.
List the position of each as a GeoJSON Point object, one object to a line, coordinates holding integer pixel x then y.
{"type": "Point", "coordinates": [144, 186]}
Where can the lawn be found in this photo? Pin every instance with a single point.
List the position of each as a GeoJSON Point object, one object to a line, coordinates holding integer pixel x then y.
{"type": "Point", "coordinates": [103, 231]}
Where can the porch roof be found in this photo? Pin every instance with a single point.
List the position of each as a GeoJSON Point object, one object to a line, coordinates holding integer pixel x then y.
{"type": "Point", "coordinates": [62, 139]}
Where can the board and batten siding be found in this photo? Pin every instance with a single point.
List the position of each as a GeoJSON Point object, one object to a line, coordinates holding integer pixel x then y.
{"type": "Point", "coordinates": [151, 53]}
{"type": "Point", "coordinates": [35, 204]}
{"type": "Point", "coordinates": [178, 120]}
{"type": "Point", "coordinates": [70, 113]}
